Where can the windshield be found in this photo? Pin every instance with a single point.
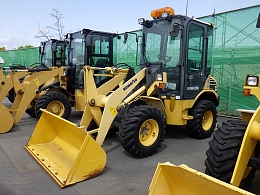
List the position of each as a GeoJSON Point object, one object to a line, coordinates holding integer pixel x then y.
{"type": "Point", "coordinates": [76, 49]}
{"type": "Point", "coordinates": [46, 59]}
{"type": "Point", "coordinates": [160, 46]}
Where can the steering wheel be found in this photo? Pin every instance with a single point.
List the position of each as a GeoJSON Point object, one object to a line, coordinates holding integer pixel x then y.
{"type": "Point", "coordinates": [164, 58]}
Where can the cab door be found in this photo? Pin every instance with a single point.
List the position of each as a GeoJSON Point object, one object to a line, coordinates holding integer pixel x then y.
{"type": "Point", "coordinates": [195, 59]}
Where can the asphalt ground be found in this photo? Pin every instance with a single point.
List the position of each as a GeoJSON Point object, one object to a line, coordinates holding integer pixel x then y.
{"type": "Point", "coordinates": [123, 175]}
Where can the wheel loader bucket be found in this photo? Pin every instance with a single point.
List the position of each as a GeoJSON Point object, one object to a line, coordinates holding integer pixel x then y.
{"type": "Point", "coordinates": [170, 179]}
{"type": "Point", "coordinates": [67, 153]}
{"type": "Point", "coordinates": [6, 119]}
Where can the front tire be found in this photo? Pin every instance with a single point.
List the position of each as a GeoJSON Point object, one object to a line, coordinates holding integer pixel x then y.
{"type": "Point", "coordinates": [142, 130]}
{"type": "Point", "coordinates": [54, 102]}
{"type": "Point", "coordinates": [31, 109]}
{"type": "Point", "coordinates": [204, 121]}
{"type": "Point", "coordinates": [223, 152]}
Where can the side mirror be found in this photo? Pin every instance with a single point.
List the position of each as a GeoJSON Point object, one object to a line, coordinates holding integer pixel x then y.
{"type": "Point", "coordinates": [40, 49]}
{"type": "Point", "coordinates": [258, 21]}
{"type": "Point", "coordinates": [125, 37]}
{"type": "Point", "coordinates": [175, 30]}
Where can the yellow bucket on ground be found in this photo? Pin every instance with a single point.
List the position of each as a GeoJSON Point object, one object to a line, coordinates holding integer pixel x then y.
{"type": "Point", "coordinates": [6, 119]}
{"type": "Point", "coordinates": [170, 179]}
{"type": "Point", "coordinates": [66, 152]}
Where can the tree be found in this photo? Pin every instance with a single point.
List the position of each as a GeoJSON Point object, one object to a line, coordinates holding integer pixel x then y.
{"type": "Point", "coordinates": [2, 48]}
{"type": "Point", "coordinates": [57, 27]}
{"type": "Point", "coordinates": [25, 47]}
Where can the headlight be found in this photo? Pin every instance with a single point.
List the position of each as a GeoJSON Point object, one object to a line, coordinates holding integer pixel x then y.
{"type": "Point", "coordinates": [252, 81]}
{"type": "Point", "coordinates": [159, 77]}
{"type": "Point", "coordinates": [165, 15]}
{"type": "Point", "coordinates": [141, 21]}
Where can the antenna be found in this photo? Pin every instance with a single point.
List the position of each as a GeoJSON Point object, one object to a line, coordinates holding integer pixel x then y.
{"type": "Point", "coordinates": [187, 7]}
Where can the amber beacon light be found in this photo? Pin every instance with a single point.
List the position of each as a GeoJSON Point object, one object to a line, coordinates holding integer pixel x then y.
{"type": "Point", "coordinates": [159, 12]}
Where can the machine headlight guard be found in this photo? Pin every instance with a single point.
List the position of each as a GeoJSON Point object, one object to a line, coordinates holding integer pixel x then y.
{"type": "Point", "coordinates": [252, 81]}
{"type": "Point", "coordinates": [159, 77]}
{"type": "Point", "coordinates": [141, 21]}
{"type": "Point", "coordinates": [165, 15]}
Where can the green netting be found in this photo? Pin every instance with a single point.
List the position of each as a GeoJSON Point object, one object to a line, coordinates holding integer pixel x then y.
{"type": "Point", "coordinates": [236, 53]}
{"type": "Point", "coordinates": [25, 57]}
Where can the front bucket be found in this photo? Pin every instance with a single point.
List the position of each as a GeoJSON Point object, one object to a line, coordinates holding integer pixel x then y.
{"type": "Point", "coordinates": [170, 179]}
{"type": "Point", "coordinates": [67, 153]}
{"type": "Point", "coordinates": [6, 119]}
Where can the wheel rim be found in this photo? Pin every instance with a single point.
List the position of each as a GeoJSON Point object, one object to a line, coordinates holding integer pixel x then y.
{"type": "Point", "coordinates": [207, 120]}
{"type": "Point", "coordinates": [148, 132]}
{"type": "Point", "coordinates": [246, 173]}
{"type": "Point", "coordinates": [56, 107]}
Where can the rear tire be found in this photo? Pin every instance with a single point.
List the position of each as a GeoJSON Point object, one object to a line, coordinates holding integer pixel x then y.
{"type": "Point", "coordinates": [142, 130]}
{"type": "Point", "coordinates": [223, 152]}
{"type": "Point", "coordinates": [204, 121]}
{"type": "Point", "coordinates": [54, 102]}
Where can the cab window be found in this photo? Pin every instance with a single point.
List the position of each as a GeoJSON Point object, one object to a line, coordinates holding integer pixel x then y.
{"type": "Point", "coordinates": [195, 48]}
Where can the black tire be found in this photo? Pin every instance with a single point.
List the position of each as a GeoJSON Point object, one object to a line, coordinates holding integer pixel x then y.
{"type": "Point", "coordinates": [11, 95]}
{"type": "Point", "coordinates": [204, 119]}
{"type": "Point", "coordinates": [54, 98]}
{"type": "Point", "coordinates": [135, 121]}
{"type": "Point", "coordinates": [31, 109]}
{"type": "Point", "coordinates": [223, 151]}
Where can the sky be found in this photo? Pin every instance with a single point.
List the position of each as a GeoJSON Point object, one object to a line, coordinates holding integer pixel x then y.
{"type": "Point", "coordinates": [21, 19]}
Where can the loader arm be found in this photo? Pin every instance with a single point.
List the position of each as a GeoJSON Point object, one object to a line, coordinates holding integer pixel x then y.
{"type": "Point", "coordinates": [114, 100]}
{"type": "Point", "coordinates": [94, 94]}
{"type": "Point", "coordinates": [251, 137]}
{"type": "Point", "coordinates": [97, 98]}
{"type": "Point", "coordinates": [26, 92]}
{"type": "Point", "coordinates": [7, 83]}
{"type": "Point", "coordinates": [2, 76]}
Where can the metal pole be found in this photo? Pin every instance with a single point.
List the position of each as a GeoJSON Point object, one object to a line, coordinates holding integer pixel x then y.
{"type": "Point", "coordinates": [187, 3]}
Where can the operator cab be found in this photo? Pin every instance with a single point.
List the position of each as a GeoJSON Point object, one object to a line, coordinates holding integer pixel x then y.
{"type": "Point", "coordinates": [88, 47]}
{"type": "Point", "coordinates": [53, 53]}
{"type": "Point", "coordinates": [180, 45]}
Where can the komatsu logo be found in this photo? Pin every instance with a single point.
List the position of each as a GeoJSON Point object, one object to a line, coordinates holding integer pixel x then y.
{"type": "Point", "coordinates": [193, 88]}
{"type": "Point", "coordinates": [129, 85]}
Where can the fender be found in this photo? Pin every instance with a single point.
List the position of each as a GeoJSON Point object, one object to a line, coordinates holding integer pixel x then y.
{"type": "Point", "coordinates": [55, 85]}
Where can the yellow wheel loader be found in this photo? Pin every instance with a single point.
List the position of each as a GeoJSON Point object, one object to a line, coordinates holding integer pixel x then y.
{"type": "Point", "coordinates": [172, 87]}
{"type": "Point", "coordinates": [25, 94]}
{"type": "Point", "coordinates": [26, 83]}
{"type": "Point", "coordinates": [52, 53]}
{"type": "Point", "coordinates": [232, 158]}
{"type": "Point", "coordinates": [94, 48]}
{"type": "Point", "coordinates": [64, 86]}
{"type": "Point", "coordinates": [234, 152]}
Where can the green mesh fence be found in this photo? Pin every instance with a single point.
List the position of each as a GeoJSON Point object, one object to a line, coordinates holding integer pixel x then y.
{"type": "Point", "coordinates": [236, 53]}
{"type": "Point", "coordinates": [25, 57]}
